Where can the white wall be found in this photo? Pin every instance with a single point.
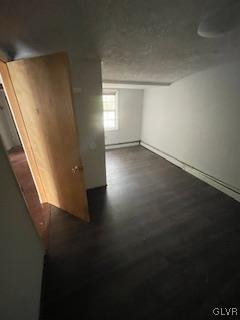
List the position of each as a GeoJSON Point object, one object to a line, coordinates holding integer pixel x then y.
{"type": "Point", "coordinates": [129, 117]}
{"type": "Point", "coordinates": [8, 130]}
{"type": "Point", "coordinates": [197, 120]}
{"type": "Point", "coordinates": [21, 252]}
{"type": "Point", "coordinates": [87, 81]}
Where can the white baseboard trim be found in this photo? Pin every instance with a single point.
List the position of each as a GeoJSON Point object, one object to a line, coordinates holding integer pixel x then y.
{"type": "Point", "coordinates": [122, 145]}
{"type": "Point", "coordinates": [231, 191]}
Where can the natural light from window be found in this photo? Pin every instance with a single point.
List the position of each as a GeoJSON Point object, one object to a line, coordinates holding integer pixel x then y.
{"type": "Point", "coordinates": [110, 111]}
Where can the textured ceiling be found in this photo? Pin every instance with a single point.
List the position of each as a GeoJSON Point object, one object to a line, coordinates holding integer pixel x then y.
{"type": "Point", "coordinates": [137, 40]}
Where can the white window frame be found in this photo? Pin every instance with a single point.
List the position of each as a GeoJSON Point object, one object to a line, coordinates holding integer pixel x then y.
{"type": "Point", "coordinates": [112, 92]}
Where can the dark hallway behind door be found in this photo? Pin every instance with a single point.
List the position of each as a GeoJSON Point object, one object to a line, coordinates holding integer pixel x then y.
{"type": "Point", "coordinates": [40, 213]}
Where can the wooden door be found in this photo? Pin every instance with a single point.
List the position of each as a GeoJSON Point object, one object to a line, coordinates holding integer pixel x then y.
{"type": "Point", "coordinates": [43, 89]}
{"type": "Point", "coordinates": [18, 119]}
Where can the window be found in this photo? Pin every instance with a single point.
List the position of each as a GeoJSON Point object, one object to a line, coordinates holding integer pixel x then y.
{"type": "Point", "coordinates": [110, 116]}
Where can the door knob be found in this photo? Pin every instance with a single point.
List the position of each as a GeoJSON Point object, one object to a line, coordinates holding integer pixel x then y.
{"type": "Point", "coordinates": [76, 169]}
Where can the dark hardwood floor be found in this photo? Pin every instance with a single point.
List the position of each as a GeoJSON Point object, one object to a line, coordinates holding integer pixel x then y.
{"type": "Point", "coordinates": [39, 213]}
{"type": "Point", "coordinates": [161, 245]}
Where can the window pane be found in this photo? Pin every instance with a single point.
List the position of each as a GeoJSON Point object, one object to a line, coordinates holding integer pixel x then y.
{"type": "Point", "coordinates": [109, 102]}
{"type": "Point", "coordinates": [109, 111]}
{"type": "Point", "coordinates": [109, 124]}
{"type": "Point", "coordinates": [109, 115]}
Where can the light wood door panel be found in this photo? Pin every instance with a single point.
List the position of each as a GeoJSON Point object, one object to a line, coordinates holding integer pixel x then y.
{"type": "Point", "coordinates": [20, 124]}
{"type": "Point", "coordinates": [43, 89]}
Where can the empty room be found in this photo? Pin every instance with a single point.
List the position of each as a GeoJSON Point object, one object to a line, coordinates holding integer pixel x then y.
{"type": "Point", "coordinates": [119, 159]}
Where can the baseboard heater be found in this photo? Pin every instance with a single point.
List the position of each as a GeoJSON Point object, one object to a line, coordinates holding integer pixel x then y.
{"type": "Point", "coordinates": [122, 145]}
{"type": "Point", "coordinates": [230, 190]}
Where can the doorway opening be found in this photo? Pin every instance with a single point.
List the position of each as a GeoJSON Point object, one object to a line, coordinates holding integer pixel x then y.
{"type": "Point", "coordinates": [122, 119]}
{"type": "Point", "coordinates": [39, 213]}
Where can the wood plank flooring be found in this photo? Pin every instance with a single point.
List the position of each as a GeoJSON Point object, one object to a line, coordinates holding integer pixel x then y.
{"type": "Point", "coordinates": [161, 245]}
{"type": "Point", "coordinates": [38, 213]}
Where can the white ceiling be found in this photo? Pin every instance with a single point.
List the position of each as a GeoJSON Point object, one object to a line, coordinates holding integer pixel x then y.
{"type": "Point", "coordinates": [149, 41]}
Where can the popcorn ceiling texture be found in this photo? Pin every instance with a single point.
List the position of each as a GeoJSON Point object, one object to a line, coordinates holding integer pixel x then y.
{"type": "Point", "coordinates": [137, 40]}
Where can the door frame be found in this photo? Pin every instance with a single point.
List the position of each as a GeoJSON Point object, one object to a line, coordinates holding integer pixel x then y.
{"type": "Point", "coordinates": [21, 128]}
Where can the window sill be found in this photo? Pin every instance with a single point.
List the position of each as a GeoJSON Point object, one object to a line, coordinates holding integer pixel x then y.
{"type": "Point", "coordinates": [109, 130]}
